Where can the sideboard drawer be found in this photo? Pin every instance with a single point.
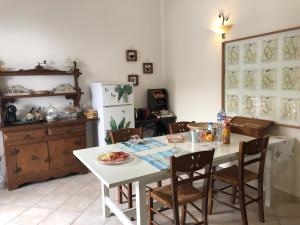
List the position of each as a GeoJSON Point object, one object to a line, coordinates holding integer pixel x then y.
{"type": "Point", "coordinates": [67, 130]}
{"type": "Point", "coordinates": [11, 136]}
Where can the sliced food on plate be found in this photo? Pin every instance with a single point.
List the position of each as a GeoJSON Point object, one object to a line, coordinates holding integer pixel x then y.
{"type": "Point", "coordinates": [113, 157]}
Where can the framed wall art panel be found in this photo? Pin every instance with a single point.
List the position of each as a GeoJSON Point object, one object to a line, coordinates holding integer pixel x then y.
{"type": "Point", "coordinates": [261, 77]}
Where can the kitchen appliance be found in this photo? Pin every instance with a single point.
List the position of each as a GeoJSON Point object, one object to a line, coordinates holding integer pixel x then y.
{"type": "Point", "coordinates": [114, 103]}
{"type": "Point", "coordinates": [11, 114]}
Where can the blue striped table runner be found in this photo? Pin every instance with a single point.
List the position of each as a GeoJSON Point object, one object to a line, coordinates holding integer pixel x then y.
{"type": "Point", "coordinates": [148, 143]}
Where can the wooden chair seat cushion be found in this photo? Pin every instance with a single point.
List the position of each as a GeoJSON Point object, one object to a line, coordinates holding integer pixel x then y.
{"type": "Point", "coordinates": [230, 175]}
{"type": "Point", "coordinates": [186, 194]}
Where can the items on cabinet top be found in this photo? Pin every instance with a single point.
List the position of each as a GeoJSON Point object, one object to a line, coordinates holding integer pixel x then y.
{"type": "Point", "coordinates": [11, 93]}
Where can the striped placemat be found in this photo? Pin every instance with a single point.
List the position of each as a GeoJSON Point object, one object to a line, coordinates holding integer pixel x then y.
{"type": "Point", "coordinates": [147, 144]}
{"type": "Point", "coordinates": [160, 160]}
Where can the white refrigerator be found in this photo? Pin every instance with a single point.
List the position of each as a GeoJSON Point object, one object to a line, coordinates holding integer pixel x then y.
{"type": "Point", "coordinates": [114, 103]}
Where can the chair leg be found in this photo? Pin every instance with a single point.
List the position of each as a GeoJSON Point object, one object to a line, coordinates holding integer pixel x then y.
{"type": "Point", "coordinates": [150, 206]}
{"type": "Point", "coordinates": [261, 201]}
{"type": "Point", "coordinates": [159, 183]}
{"type": "Point", "coordinates": [243, 204]}
{"type": "Point", "coordinates": [233, 197]}
{"type": "Point", "coordinates": [183, 215]}
{"type": "Point", "coordinates": [129, 196]}
{"type": "Point", "coordinates": [120, 195]}
{"type": "Point", "coordinates": [211, 192]}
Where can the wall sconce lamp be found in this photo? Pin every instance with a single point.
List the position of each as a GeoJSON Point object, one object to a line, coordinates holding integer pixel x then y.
{"type": "Point", "coordinates": [222, 29]}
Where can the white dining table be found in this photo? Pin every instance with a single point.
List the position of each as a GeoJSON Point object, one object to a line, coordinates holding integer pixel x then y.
{"type": "Point", "coordinates": [141, 173]}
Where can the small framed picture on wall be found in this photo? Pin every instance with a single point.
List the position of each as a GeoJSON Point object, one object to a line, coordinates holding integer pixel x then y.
{"type": "Point", "coordinates": [148, 68]}
{"type": "Point", "coordinates": [131, 55]}
{"type": "Point", "coordinates": [134, 79]}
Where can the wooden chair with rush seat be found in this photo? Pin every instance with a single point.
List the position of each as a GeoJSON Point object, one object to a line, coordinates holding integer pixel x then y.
{"type": "Point", "coordinates": [237, 177]}
{"type": "Point", "coordinates": [182, 191]}
{"type": "Point", "coordinates": [179, 127]}
{"type": "Point", "coordinates": [123, 135]}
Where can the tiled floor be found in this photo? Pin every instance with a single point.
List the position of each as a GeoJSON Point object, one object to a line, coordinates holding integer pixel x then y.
{"type": "Point", "coordinates": [75, 200]}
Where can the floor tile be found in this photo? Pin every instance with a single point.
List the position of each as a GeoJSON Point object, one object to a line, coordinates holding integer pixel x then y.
{"type": "Point", "coordinates": [51, 202]}
{"type": "Point", "coordinates": [60, 217]}
{"type": "Point", "coordinates": [26, 198]}
{"type": "Point", "coordinates": [90, 219]}
{"type": "Point", "coordinates": [32, 216]}
{"type": "Point", "coordinates": [9, 212]}
{"type": "Point", "coordinates": [76, 204]}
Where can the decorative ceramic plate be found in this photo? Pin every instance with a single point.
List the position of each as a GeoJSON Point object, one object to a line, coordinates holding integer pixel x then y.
{"type": "Point", "coordinates": [115, 158]}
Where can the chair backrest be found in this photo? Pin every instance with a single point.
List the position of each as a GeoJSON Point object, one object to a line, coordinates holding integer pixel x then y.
{"type": "Point", "coordinates": [188, 164]}
{"type": "Point", "coordinates": [257, 149]}
{"type": "Point", "coordinates": [123, 135]}
{"type": "Point", "coordinates": [178, 127]}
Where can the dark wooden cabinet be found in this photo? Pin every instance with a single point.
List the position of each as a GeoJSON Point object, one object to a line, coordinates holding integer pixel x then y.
{"type": "Point", "coordinates": [32, 158]}
{"type": "Point", "coordinates": [61, 151]}
{"type": "Point", "coordinates": [40, 151]}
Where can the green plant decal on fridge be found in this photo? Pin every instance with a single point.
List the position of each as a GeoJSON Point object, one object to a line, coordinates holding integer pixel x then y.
{"type": "Point", "coordinates": [114, 127]}
{"type": "Point", "coordinates": [123, 92]}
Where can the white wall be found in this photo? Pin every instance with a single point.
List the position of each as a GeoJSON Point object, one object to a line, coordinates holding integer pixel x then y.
{"type": "Point", "coordinates": [193, 57]}
{"type": "Point", "coordinates": [95, 32]}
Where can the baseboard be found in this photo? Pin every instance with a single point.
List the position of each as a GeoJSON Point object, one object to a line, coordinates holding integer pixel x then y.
{"type": "Point", "coordinates": [287, 196]}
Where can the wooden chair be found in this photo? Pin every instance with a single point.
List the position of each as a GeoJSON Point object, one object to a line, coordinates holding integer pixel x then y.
{"type": "Point", "coordinates": [182, 191]}
{"type": "Point", "coordinates": [237, 178]}
{"type": "Point", "coordinates": [178, 127]}
{"type": "Point", "coordinates": [122, 136]}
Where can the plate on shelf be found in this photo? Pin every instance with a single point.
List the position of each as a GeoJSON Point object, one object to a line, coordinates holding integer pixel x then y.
{"type": "Point", "coordinates": [115, 158]}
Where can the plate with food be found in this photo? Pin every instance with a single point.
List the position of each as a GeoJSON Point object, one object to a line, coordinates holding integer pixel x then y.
{"type": "Point", "coordinates": [115, 158]}
{"type": "Point", "coordinates": [175, 138]}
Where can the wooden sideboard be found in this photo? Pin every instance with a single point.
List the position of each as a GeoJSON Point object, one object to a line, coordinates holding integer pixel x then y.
{"type": "Point", "coordinates": [38, 152]}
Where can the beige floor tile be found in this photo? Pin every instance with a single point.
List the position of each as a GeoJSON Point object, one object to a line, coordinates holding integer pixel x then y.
{"type": "Point", "coordinates": [60, 217]}
{"type": "Point", "coordinates": [42, 187]}
{"type": "Point", "coordinates": [7, 197]}
{"type": "Point", "coordinates": [76, 204]}
{"type": "Point", "coordinates": [90, 219]}
{"type": "Point", "coordinates": [9, 212]}
{"type": "Point", "coordinates": [32, 216]}
{"type": "Point", "coordinates": [292, 221]}
{"type": "Point", "coordinates": [27, 198]}
{"type": "Point", "coordinates": [66, 190]}
{"type": "Point", "coordinates": [95, 207]}
{"type": "Point", "coordinates": [51, 202]}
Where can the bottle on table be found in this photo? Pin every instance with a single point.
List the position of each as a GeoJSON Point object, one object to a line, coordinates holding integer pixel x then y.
{"type": "Point", "coordinates": [226, 132]}
{"type": "Point", "coordinates": [220, 119]}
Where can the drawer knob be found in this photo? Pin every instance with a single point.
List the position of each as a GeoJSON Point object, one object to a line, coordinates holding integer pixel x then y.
{"type": "Point", "coordinates": [34, 157]}
{"type": "Point", "coordinates": [66, 152]}
{"type": "Point", "coordinates": [77, 142]}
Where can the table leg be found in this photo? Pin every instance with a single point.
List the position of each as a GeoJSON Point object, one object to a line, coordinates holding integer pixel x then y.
{"type": "Point", "coordinates": [269, 184]}
{"type": "Point", "coordinates": [141, 209]}
{"type": "Point", "coordinates": [105, 208]}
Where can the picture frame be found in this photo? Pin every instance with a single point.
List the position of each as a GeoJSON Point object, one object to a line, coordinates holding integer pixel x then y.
{"type": "Point", "coordinates": [147, 68]}
{"type": "Point", "coordinates": [131, 55]}
{"type": "Point", "coordinates": [134, 78]}
{"type": "Point", "coordinates": [261, 77]}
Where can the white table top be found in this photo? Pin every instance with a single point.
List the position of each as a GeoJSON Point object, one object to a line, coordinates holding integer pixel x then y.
{"type": "Point", "coordinates": [137, 169]}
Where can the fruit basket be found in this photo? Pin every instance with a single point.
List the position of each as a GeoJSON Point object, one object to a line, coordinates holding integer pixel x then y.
{"type": "Point", "coordinates": [203, 131]}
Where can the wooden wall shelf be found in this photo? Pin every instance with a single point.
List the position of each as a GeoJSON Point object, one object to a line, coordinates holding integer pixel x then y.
{"type": "Point", "coordinates": [39, 95]}
{"type": "Point", "coordinates": [34, 72]}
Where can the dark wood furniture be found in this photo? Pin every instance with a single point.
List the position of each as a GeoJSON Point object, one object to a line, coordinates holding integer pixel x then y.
{"type": "Point", "coordinates": [237, 178]}
{"type": "Point", "coordinates": [122, 136]}
{"type": "Point", "coordinates": [159, 126]}
{"type": "Point", "coordinates": [157, 99]}
{"type": "Point", "coordinates": [39, 151]}
{"type": "Point", "coordinates": [178, 127]}
{"type": "Point", "coordinates": [182, 191]}
{"type": "Point", "coordinates": [250, 126]}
